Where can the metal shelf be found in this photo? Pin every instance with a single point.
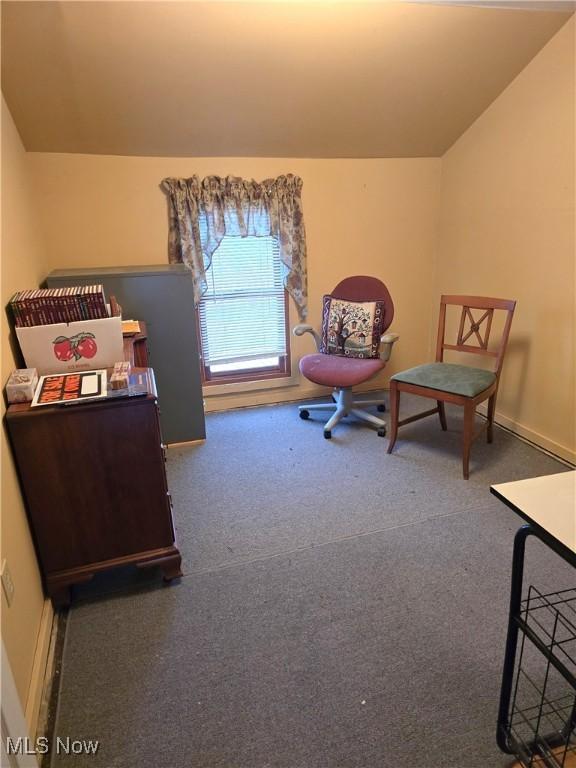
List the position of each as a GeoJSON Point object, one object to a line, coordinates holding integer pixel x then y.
{"type": "Point", "coordinates": [542, 722]}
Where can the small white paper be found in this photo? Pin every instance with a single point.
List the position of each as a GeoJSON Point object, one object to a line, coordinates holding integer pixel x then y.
{"type": "Point", "coordinates": [89, 385]}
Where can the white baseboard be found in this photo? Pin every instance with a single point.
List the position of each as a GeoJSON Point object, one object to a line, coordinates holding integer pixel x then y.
{"type": "Point", "coordinates": [263, 397]}
{"type": "Point", "coordinates": [275, 397]}
{"type": "Point", "coordinates": [14, 725]}
{"type": "Point", "coordinates": [39, 668]}
{"type": "Point", "coordinates": [540, 441]}
{"type": "Point", "coordinates": [186, 443]}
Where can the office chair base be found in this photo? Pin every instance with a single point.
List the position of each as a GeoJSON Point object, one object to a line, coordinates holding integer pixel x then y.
{"type": "Point", "coordinates": [344, 405]}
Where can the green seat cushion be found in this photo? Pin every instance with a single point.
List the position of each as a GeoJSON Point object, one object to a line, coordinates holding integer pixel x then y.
{"type": "Point", "coordinates": [457, 379]}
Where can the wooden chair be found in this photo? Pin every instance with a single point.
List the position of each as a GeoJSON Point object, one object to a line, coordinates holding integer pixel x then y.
{"type": "Point", "coordinates": [459, 384]}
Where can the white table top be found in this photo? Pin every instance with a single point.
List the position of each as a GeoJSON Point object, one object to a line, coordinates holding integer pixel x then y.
{"type": "Point", "coordinates": [548, 501]}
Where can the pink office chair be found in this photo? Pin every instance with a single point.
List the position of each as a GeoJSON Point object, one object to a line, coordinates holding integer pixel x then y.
{"type": "Point", "coordinates": [334, 365]}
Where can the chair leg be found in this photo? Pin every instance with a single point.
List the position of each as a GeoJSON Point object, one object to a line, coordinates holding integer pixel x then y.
{"type": "Point", "coordinates": [442, 414]}
{"type": "Point", "coordinates": [394, 413]}
{"type": "Point", "coordinates": [369, 419]}
{"type": "Point", "coordinates": [337, 416]}
{"type": "Point", "coordinates": [469, 411]}
{"type": "Point", "coordinates": [344, 402]}
{"type": "Point", "coordinates": [491, 409]}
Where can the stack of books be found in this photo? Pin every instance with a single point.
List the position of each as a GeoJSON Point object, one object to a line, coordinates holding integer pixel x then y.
{"type": "Point", "coordinates": [46, 306]}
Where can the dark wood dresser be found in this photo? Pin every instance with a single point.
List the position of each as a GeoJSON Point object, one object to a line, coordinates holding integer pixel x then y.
{"type": "Point", "coordinates": [94, 483]}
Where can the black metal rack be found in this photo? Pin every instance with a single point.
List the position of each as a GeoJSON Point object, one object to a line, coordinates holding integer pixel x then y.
{"type": "Point", "coordinates": [541, 722]}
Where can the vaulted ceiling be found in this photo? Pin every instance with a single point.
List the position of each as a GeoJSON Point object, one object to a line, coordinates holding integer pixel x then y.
{"type": "Point", "coordinates": [268, 79]}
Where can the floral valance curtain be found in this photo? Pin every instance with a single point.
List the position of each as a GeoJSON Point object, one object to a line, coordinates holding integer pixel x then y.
{"type": "Point", "coordinates": [237, 207]}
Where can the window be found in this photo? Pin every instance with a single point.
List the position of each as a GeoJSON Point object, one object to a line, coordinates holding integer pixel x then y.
{"type": "Point", "coordinates": [243, 316]}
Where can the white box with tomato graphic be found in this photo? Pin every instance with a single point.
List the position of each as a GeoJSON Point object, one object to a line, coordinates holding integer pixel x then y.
{"type": "Point", "coordinates": [68, 347]}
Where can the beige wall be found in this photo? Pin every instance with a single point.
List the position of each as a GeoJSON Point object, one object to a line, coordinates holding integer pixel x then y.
{"type": "Point", "coordinates": [507, 229]}
{"type": "Point", "coordinates": [23, 265]}
{"type": "Point", "coordinates": [362, 216]}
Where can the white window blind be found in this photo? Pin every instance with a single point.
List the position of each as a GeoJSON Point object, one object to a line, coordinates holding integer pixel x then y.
{"type": "Point", "coordinates": [242, 315]}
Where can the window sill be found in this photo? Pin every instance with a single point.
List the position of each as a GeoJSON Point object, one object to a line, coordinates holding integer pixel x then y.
{"type": "Point", "coordinates": [238, 387]}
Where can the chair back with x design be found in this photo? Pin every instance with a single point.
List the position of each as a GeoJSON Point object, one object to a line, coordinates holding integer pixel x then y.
{"type": "Point", "coordinates": [475, 327]}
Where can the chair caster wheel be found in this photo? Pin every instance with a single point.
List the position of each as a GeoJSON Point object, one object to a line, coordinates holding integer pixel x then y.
{"type": "Point", "coordinates": [327, 434]}
{"type": "Point", "coordinates": [304, 414]}
{"type": "Point", "coordinates": [381, 408]}
{"type": "Point", "coordinates": [382, 432]}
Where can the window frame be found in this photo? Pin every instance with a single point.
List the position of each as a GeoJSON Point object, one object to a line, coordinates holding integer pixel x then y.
{"type": "Point", "coordinates": [280, 371]}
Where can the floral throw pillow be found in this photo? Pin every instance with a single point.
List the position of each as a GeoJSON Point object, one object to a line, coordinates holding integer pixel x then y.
{"type": "Point", "coordinates": [351, 328]}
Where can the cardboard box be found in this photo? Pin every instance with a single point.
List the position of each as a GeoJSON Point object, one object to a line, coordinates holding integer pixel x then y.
{"type": "Point", "coordinates": [69, 347]}
{"type": "Point", "coordinates": [21, 385]}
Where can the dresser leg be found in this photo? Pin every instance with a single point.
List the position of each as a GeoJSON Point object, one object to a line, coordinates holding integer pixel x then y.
{"type": "Point", "coordinates": [60, 596]}
{"type": "Point", "coordinates": [172, 568]}
{"type": "Point", "coordinates": [169, 563]}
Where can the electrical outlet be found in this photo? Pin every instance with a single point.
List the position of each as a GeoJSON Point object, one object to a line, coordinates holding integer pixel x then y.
{"type": "Point", "coordinates": [7, 582]}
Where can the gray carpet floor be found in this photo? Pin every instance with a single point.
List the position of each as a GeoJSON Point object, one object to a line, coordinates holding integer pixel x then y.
{"type": "Point", "coordinates": [340, 608]}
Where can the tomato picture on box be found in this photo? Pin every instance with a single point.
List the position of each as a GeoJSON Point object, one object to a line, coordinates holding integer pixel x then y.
{"type": "Point", "coordinates": [78, 346]}
{"type": "Point", "coordinates": [70, 347]}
